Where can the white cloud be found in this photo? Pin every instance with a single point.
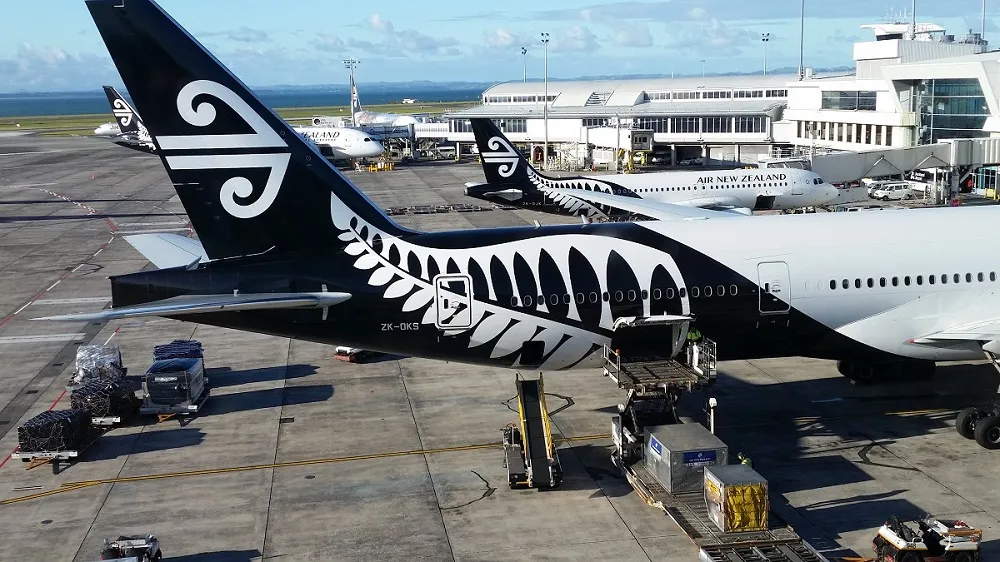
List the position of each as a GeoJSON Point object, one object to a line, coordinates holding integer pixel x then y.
{"type": "Point", "coordinates": [714, 39]}
{"type": "Point", "coordinates": [376, 21]}
{"type": "Point", "coordinates": [328, 42]}
{"type": "Point", "coordinates": [628, 34]}
{"type": "Point", "coordinates": [401, 43]}
{"type": "Point", "coordinates": [698, 13]}
{"type": "Point", "coordinates": [576, 38]}
{"type": "Point", "coordinates": [501, 37]}
{"type": "Point", "coordinates": [242, 34]}
{"type": "Point", "coordinates": [53, 69]}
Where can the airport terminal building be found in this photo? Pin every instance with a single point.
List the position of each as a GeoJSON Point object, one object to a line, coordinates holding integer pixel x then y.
{"type": "Point", "coordinates": [915, 90]}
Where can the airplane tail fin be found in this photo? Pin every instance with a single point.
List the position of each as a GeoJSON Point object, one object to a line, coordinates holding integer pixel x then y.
{"type": "Point", "coordinates": [355, 100]}
{"type": "Point", "coordinates": [127, 118]}
{"type": "Point", "coordinates": [249, 183]}
{"type": "Point", "coordinates": [502, 163]}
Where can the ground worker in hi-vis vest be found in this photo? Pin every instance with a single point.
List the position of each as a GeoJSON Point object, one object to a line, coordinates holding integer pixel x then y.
{"type": "Point", "coordinates": [693, 337]}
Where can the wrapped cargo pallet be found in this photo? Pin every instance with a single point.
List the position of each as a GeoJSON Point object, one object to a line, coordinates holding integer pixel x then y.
{"type": "Point", "coordinates": [178, 349]}
{"type": "Point", "coordinates": [98, 363]}
{"type": "Point", "coordinates": [54, 430]}
{"type": "Point", "coordinates": [170, 382]}
{"type": "Point", "coordinates": [104, 399]}
{"type": "Point", "coordinates": [736, 497]}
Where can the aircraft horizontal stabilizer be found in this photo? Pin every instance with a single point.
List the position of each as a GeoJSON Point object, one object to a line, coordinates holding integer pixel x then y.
{"type": "Point", "coordinates": [199, 304]}
{"type": "Point", "coordinates": [168, 250]}
{"type": "Point", "coordinates": [653, 209]}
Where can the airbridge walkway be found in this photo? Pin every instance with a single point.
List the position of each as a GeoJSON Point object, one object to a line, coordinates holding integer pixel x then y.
{"type": "Point", "coordinates": [961, 155]}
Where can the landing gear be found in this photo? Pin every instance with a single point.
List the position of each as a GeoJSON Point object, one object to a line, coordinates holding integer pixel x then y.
{"type": "Point", "coordinates": [869, 373]}
{"type": "Point", "coordinates": [982, 424]}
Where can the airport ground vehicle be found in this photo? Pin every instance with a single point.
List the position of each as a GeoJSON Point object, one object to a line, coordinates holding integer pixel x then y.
{"type": "Point", "coordinates": [938, 541]}
{"type": "Point", "coordinates": [893, 192]}
{"type": "Point", "coordinates": [142, 548]}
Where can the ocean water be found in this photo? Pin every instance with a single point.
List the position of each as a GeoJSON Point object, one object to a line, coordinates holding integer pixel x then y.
{"type": "Point", "coordinates": [76, 103]}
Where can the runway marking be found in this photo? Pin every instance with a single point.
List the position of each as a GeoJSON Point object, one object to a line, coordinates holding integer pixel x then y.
{"type": "Point", "coordinates": [30, 185]}
{"type": "Point", "coordinates": [29, 152]}
{"type": "Point", "coordinates": [40, 338]}
{"type": "Point", "coordinates": [80, 300]}
{"type": "Point", "coordinates": [53, 286]}
{"type": "Point", "coordinates": [25, 305]}
{"type": "Point", "coordinates": [71, 486]}
{"type": "Point", "coordinates": [164, 223]}
{"type": "Point", "coordinates": [153, 231]}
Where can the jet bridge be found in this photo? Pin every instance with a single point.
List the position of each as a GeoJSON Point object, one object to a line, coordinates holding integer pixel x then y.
{"type": "Point", "coordinates": [529, 449]}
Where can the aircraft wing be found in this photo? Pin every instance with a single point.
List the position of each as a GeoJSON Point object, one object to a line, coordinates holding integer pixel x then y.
{"type": "Point", "coordinates": [657, 210]}
{"type": "Point", "coordinates": [199, 304]}
{"type": "Point", "coordinates": [981, 331]}
{"type": "Point", "coordinates": [710, 202]}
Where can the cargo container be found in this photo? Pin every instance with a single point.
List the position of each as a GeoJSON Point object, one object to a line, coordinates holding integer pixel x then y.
{"type": "Point", "coordinates": [736, 497]}
{"type": "Point", "coordinates": [677, 454]}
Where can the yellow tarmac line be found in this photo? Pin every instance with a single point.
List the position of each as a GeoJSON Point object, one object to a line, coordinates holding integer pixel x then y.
{"type": "Point", "coordinates": [70, 486]}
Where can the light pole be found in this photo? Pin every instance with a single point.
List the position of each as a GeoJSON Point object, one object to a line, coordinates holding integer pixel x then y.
{"type": "Point", "coordinates": [545, 103]}
{"type": "Point", "coordinates": [524, 64]}
{"type": "Point", "coordinates": [702, 68]}
{"type": "Point", "coordinates": [802, 37]}
{"type": "Point", "coordinates": [764, 38]}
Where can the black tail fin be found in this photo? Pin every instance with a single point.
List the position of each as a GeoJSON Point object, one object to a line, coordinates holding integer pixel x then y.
{"type": "Point", "coordinates": [502, 163]}
{"type": "Point", "coordinates": [248, 182]}
{"type": "Point", "coordinates": [127, 118]}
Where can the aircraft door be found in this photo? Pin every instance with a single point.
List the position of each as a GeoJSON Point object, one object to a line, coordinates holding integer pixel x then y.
{"type": "Point", "coordinates": [775, 293]}
{"type": "Point", "coordinates": [453, 299]}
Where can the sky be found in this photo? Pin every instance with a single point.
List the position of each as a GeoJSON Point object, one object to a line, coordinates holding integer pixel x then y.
{"type": "Point", "coordinates": [52, 45]}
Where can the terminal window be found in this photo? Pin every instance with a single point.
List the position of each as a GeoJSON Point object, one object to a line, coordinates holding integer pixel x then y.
{"type": "Point", "coordinates": [755, 124]}
{"type": "Point", "coordinates": [686, 124]}
{"type": "Point", "coordinates": [460, 126]}
{"type": "Point", "coordinates": [849, 100]}
{"type": "Point", "coordinates": [954, 108]}
{"type": "Point", "coordinates": [512, 125]}
{"type": "Point", "coordinates": [717, 125]}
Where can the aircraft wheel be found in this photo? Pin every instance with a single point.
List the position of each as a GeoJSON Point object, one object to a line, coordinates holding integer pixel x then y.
{"type": "Point", "coordinates": [910, 556]}
{"type": "Point", "coordinates": [846, 368]}
{"type": "Point", "coordinates": [987, 432]}
{"type": "Point", "coordinates": [962, 557]}
{"type": "Point", "coordinates": [965, 423]}
{"type": "Point", "coordinates": [864, 373]}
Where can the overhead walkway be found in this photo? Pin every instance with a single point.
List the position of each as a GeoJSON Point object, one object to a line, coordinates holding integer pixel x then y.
{"type": "Point", "coordinates": [845, 166]}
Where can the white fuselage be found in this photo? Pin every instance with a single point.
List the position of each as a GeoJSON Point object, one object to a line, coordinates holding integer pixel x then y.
{"type": "Point", "coordinates": [387, 119]}
{"type": "Point", "coordinates": [344, 143]}
{"type": "Point", "coordinates": [883, 291]}
{"type": "Point", "coordinates": [108, 129]}
{"type": "Point", "coordinates": [791, 188]}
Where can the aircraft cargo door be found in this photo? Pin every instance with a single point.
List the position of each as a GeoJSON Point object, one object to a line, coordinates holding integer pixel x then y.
{"type": "Point", "coordinates": [775, 293]}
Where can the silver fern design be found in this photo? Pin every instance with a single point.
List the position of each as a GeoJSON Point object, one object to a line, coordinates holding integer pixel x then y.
{"type": "Point", "coordinates": [517, 291]}
{"type": "Point", "coordinates": [122, 112]}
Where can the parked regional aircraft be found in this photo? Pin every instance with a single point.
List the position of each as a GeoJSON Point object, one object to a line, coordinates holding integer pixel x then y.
{"type": "Point", "coordinates": [362, 117]}
{"type": "Point", "coordinates": [342, 143]}
{"type": "Point", "coordinates": [511, 179]}
{"type": "Point", "coordinates": [131, 131]}
{"type": "Point", "coordinates": [300, 252]}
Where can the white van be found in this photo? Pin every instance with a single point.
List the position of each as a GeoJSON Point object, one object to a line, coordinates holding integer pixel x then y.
{"type": "Point", "coordinates": [893, 191]}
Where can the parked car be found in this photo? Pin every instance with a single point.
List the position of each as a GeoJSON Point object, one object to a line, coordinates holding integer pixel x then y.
{"type": "Point", "coordinates": [692, 161]}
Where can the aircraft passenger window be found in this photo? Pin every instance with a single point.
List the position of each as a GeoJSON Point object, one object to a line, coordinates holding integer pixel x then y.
{"type": "Point", "coordinates": [944, 279]}
{"type": "Point", "coordinates": [619, 296]}
{"type": "Point", "coordinates": [708, 291]}
{"type": "Point", "coordinates": [846, 284]}
{"type": "Point", "coordinates": [920, 279]}
{"type": "Point", "coordinates": [695, 291]}
{"type": "Point", "coordinates": [968, 278]}
{"type": "Point", "coordinates": [906, 280]}
{"type": "Point", "coordinates": [527, 301]}
{"type": "Point", "coordinates": [993, 276]}
{"type": "Point", "coordinates": [895, 281]}
{"type": "Point", "coordinates": [631, 296]}
{"type": "Point", "coordinates": [957, 278]}
{"type": "Point", "coordinates": [513, 301]}
{"type": "Point", "coordinates": [871, 282]}
{"type": "Point", "coordinates": [554, 299]}
{"type": "Point", "coordinates": [930, 280]}
{"type": "Point", "coordinates": [669, 293]}
{"type": "Point", "coordinates": [980, 276]}
{"type": "Point", "coordinates": [682, 292]}
{"type": "Point", "coordinates": [593, 297]}
{"type": "Point", "coordinates": [541, 300]}
{"type": "Point", "coordinates": [881, 282]}
{"type": "Point", "coordinates": [644, 294]}
{"type": "Point", "coordinates": [720, 290]}
{"type": "Point", "coordinates": [733, 289]}
{"type": "Point", "coordinates": [657, 294]}
{"type": "Point", "coordinates": [857, 283]}
{"type": "Point", "coordinates": [833, 285]}
{"type": "Point", "coordinates": [606, 296]}
{"type": "Point", "coordinates": [580, 297]}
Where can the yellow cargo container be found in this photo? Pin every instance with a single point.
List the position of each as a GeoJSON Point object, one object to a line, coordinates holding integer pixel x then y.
{"type": "Point", "coordinates": [736, 497]}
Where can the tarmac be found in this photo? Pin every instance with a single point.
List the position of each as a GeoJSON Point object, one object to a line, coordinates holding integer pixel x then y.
{"type": "Point", "coordinates": [298, 456]}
